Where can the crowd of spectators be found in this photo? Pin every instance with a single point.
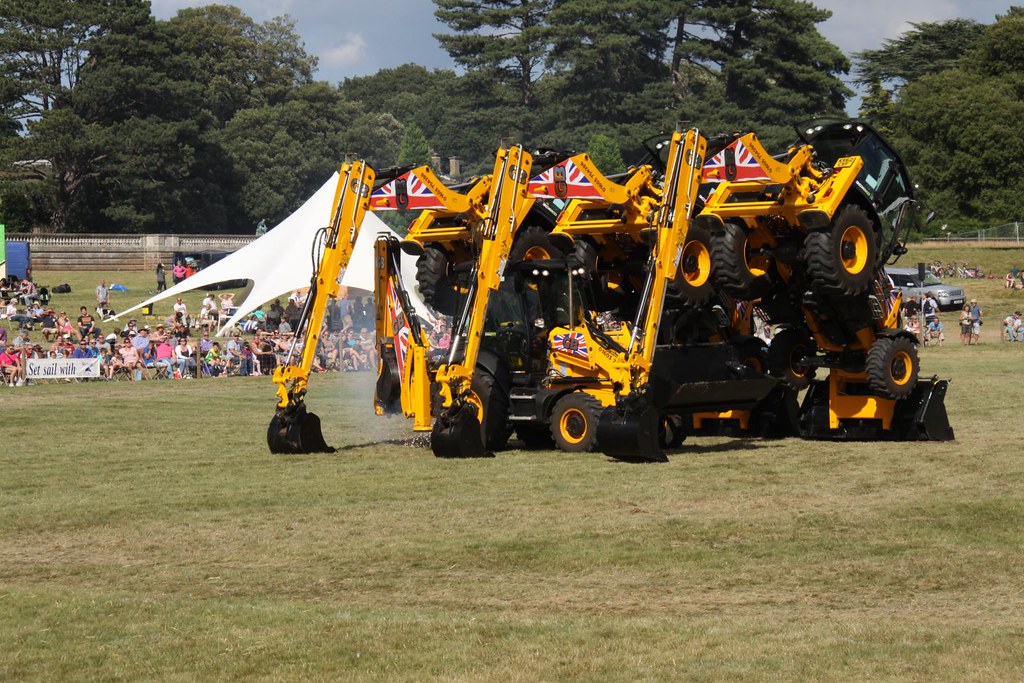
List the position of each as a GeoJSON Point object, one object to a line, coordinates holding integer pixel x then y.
{"type": "Point", "coordinates": [923, 319]}
{"type": "Point", "coordinates": [182, 345]}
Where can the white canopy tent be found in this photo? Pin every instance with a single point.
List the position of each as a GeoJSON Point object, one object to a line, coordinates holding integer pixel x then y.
{"type": "Point", "coordinates": [280, 261]}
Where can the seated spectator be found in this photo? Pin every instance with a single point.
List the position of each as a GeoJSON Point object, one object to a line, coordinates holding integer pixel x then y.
{"type": "Point", "coordinates": [163, 357]}
{"type": "Point", "coordinates": [3, 336]}
{"type": "Point", "coordinates": [184, 355]}
{"type": "Point", "coordinates": [227, 305]}
{"type": "Point", "coordinates": [48, 324]}
{"type": "Point", "coordinates": [23, 319]}
{"type": "Point", "coordinates": [913, 326]}
{"type": "Point", "coordinates": [128, 358]}
{"type": "Point", "coordinates": [933, 333]}
{"type": "Point", "coordinates": [265, 356]}
{"type": "Point", "coordinates": [208, 317]}
{"type": "Point", "coordinates": [86, 323]}
{"type": "Point", "coordinates": [27, 291]}
{"type": "Point", "coordinates": [11, 367]}
{"type": "Point", "coordinates": [205, 344]}
{"type": "Point", "coordinates": [65, 326]}
{"type": "Point", "coordinates": [245, 362]}
{"type": "Point", "coordinates": [140, 340]}
{"type": "Point", "coordinates": [9, 308]}
{"type": "Point", "coordinates": [1013, 327]}
{"type": "Point", "coordinates": [82, 351]}
{"type": "Point", "coordinates": [255, 321]}
{"type": "Point", "coordinates": [62, 348]}
{"type": "Point", "coordinates": [1010, 282]}
{"type": "Point", "coordinates": [215, 362]}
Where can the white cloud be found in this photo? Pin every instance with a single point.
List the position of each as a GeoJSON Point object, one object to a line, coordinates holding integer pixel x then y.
{"type": "Point", "coordinates": [350, 52]}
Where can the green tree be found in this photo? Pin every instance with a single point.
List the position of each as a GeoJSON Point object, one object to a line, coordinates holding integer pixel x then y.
{"type": "Point", "coordinates": [606, 154]}
{"type": "Point", "coordinates": [414, 151]}
{"type": "Point", "coordinates": [506, 39]}
{"type": "Point", "coordinates": [961, 133]}
{"type": "Point", "coordinates": [771, 65]}
{"type": "Point", "coordinates": [44, 55]}
{"type": "Point", "coordinates": [928, 48]}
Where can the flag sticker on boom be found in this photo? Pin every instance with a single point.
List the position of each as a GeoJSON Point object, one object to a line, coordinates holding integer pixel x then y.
{"type": "Point", "coordinates": [735, 162]}
{"type": "Point", "coordinates": [407, 191]}
{"type": "Point", "coordinates": [563, 181]}
{"type": "Point", "coordinates": [572, 343]}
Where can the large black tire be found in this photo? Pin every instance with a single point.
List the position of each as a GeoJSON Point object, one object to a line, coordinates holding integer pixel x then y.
{"type": "Point", "coordinates": [692, 283]}
{"type": "Point", "coordinates": [753, 352]}
{"type": "Point", "coordinates": [841, 259]}
{"type": "Point", "coordinates": [783, 354]}
{"type": "Point", "coordinates": [534, 243]}
{"type": "Point", "coordinates": [574, 422]}
{"type": "Point", "coordinates": [671, 432]}
{"type": "Point", "coordinates": [535, 435]}
{"type": "Point", "coordinates": [438, 285]}
{"type": "Point", "coordinates": [494, 426]}
{"type": "Point", "coordinates": [737, 266]}
{"type": "Point", "coordinates": [892, 367]}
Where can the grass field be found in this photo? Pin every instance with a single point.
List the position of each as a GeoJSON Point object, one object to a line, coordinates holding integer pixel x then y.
{"type": "Point", "coordinates": [146, 533]}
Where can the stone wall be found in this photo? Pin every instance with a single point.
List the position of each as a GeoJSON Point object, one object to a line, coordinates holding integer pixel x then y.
{"type": "Point", "coordinates": [120, 252]}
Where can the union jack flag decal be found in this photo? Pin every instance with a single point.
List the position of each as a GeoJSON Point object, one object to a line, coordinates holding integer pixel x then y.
{"type": "Point", "coordinates": [572, 343]}
{"type": "Point", "coordinates": [406, 191]}
{"type": "Point", "coordinates": [563, 181]}
{"type": "Point", "coordinates": [401, 328]}
{"type": "Point", "coordinates": [735, 162]}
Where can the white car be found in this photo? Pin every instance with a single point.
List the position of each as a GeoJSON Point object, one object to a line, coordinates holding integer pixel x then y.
{"type": "Point", "coordinates": [909, 281]}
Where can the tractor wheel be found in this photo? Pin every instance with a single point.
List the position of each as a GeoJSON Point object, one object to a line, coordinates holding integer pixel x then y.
{"type": "Point", "coordinates": [574, 422]}
{"type": "Point", "coordinates": [533, 243]}
{"type": "Point", "coordinates": [492, 401]}
{"type": "Point", "coordinates": [753, 352]}
{"type": "Point", "coordinates": [692, 283]}
{"type": "Point", "coordinates": [784, 353]}
{"type": "Point", "coordinates": [437, 284]}
{"type": "Point", "coordinates": [739, 269]}
{"type": "Point", "coordinates": [671, 432]}
{"type": "Point", "coordinates": [892, 367]}
{"type": "Point", "coordinates": [534, 435]}
{"type": "Point", "coordinates": [841, 259]}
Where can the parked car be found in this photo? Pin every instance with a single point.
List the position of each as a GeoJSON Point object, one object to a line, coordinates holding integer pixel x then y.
{"type": "Point", "coordinates": [909, 281]}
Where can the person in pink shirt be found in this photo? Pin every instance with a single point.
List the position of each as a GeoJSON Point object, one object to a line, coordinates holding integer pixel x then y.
{"type": "Point", "coordinates": [164, 357]}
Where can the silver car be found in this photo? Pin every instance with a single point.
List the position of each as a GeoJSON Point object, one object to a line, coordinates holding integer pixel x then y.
{"type": "Point", "coordinates": [908, 280]}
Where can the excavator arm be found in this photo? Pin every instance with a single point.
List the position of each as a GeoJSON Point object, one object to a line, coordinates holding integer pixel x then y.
{"type": "Point", "coordinates": [456, 431]}
{"type": "Point", "coordinates": [293, 429]}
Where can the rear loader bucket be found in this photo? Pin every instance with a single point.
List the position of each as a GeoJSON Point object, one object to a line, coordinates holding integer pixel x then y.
{"type": "Point", "coordinates": [457, 434]}
{"type": "Point", "coordinates": [630, 434]}
{"type": "Point", "coordinates": [294, 430]}
{"type": "Point", "coordinates": [922, 415]}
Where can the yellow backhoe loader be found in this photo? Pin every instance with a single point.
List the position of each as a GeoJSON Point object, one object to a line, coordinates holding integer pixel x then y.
{"type": "Point", "coordinates": [807, 243]}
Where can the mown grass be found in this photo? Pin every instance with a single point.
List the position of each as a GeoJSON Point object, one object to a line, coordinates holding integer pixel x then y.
{"type": "Point", "coordinates": [146, 533]}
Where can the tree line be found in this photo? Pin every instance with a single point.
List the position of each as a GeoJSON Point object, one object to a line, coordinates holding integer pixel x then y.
{"type": "Point", "coordinates": [114, 121]}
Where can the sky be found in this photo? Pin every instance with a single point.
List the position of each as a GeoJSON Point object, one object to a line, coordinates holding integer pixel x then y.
{"type": "Point", "coordinates": [353, 38]}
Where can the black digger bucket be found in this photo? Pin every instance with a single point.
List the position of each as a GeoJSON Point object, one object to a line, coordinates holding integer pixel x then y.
{"type": "Point", "coordinates": [457, 434]}
{"type": "Point", "coordinates": [631, 433]}
{"type": "Point", "coordinates": [294, 430]}
{"type": "Point", "coordinates": [683, 380]}
{"type": "Point", "coordinates": [921, 416]}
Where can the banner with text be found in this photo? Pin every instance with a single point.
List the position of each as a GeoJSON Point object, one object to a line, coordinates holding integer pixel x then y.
{"type": "Point", "coordinates": [62, 368]}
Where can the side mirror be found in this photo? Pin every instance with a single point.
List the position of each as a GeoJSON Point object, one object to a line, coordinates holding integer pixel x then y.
{"type": "Point", "coordinates": [930, 217]}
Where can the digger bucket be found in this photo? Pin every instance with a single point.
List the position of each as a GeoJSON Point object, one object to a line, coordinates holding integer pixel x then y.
{"type": "Point", "coordinates": [630, 434]}
{"type": "Point", "coordinates": [457, 434]}
{"type": "Point", "coordinates": [922, 415]}
{"type": "Point", "coordinates": [294, 430]}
